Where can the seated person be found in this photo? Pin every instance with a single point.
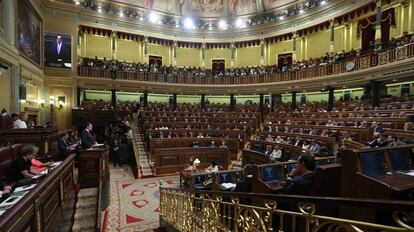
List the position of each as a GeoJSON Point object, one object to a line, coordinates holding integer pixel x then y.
{"type": "Point", "coordinates": [212, 144]}
{"type": "Point", "coordinates": [300, 179]}
{"type": "Point", "coordinates": [64, 145]}
{"type": "Point", "coordinates": [223, 144]}
{"type": "Point", "coordinates": [276, 154]}
{"type": "Point", "coordinates": [20, 123]}
{"type": "Point", "coordinates": [22, 167]}
{"type": "Point", "coordinates": [213, 167]}
{"type": "Point", "coordinates": [40, 166]}
{"type": "Point", "coordinates": [4, 190]}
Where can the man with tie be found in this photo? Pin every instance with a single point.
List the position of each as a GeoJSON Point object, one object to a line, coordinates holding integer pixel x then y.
{"type": "Point", "coordinates": [58, 53]}
{"type": "Point", "coordinates": [87, 138]}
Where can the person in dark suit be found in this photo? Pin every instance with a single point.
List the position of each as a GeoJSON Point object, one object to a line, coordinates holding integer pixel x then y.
{"type": "Point", "coordinates": [86, 137]}
{"type": "Point", "coordinates": [57, 52]}
{"type": "Point", "coordinates": [300, 180]}
{"type": "Point", "coordinates": [64, 146]}
{"type": "Point", "coordinates": [245, 185]}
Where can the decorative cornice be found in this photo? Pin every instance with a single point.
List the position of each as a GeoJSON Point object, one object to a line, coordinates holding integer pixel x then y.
{"type": "Point", "coordinates": [94, 19]}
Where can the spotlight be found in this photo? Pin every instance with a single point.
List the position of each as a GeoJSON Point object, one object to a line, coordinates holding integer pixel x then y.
{"type": "Point", "coordinates": [153, 17]}
{"type": "Point", "coordinates": [281, 17]}
{"type": "Point", "coordinates": [188, 23]}
{"type": "Point", "coordinates": [222, 25]}
{"type": "Point", "coordinates": [121, 13]}
{"type": "Point", "coordinates": [99, 9]}
{"type": "Point", "coordinates": [301, 11]}
{"type": "Point", "coordinates": [240, 23]}
{"type": "Point", "coordinates": [323, 3]}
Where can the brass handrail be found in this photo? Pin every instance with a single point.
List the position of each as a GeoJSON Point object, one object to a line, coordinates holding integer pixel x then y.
{"type": "Point", "coordinates": [190, 211]}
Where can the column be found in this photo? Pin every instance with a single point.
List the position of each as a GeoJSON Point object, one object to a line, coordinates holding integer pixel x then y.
{"type": "Point", "coordinates": [17, 78]}
{"type": "Point", "coordinates": [203, 101]}
{"type": "Point", "coordinates": [375, 93]}
{"type": "Point", "coordinates": [294, 48]}
{"type": "Point", "coordinates": [8, 20]}
{"type": "Point", "coordinates": [262, 52]}
{"type": "Point", "coordinates": [261, 102]}
{"type": "Point", "coordinates": [78, 96]}
{"type": "Point", "coordinates": [113, 98]}
{"type": "Point", "coordinates": [232, 101]}
{"type": "Point", "coordinates": [174, 101]}
{"type": "Point", "coordinates": [293, 102]}
{"type": "Point", "coordinates": [332, 36]}
{"type": "Point", "coordinates": [145, 99]}
{"type": "Point", "coordinates": [113, 42]}
{"type": "Point", "coordinates": [378, 26]}
{"type": "Point", "coordinates": [331, 98]}
{"type": "Point", "coordinates": [203, 55]}
{"type": "Point", "coordinates": [145, 49]}
{"type": "Point", "coordinates": [232, 54]}
{"type": "Point", "coordinates": [174, 48]}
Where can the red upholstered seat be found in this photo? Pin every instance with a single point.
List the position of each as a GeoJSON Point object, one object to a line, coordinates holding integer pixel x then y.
{"type": "Point", "coordinates": [7, 156]}
{"type": "Point", "coordinates": [327, 180]}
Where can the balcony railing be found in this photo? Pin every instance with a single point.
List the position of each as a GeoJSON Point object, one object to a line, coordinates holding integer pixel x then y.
{"type": "Point", "coordinates": [363, 61]}
{"type": "Point", "coordinates": [191, 211]}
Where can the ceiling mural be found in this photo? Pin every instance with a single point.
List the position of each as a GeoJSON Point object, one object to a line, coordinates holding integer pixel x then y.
{"type": "Point", "coordinates": [204, 8]}
{"type": "Point", "coordinates": [199, 8]}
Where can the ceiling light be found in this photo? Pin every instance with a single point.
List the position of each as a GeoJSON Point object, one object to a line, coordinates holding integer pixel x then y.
{"type": "Point", "coordinates": [323, 2]}
{"type": "Point", "coordinates": [222, 24]}
{"type": "Point", "coordinates": [240, 23]}
{"type": "Point", "coordinates": [301, 11]}
{"type": "Point", "coordinates": [99, 9]}
{"type": "Point", "coordinates": [188, 23]}
{"type": "Point", "coordinates": [121, 13]}
{"type": "Point", "coordinates": [153, 17]}
{"type": "Point", "coordinates": [281, 17]}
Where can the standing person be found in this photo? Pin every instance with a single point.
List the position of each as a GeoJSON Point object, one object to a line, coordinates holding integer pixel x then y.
{"type": "Point", "coordinates": [86, 137]}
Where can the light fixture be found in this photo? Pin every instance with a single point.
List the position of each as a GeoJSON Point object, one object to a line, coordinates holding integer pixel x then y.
{"type": "Point", "coordinates": [323, 3]}
{"type": "Point", "coordinates": [239, 23]}
{"type": "Point", "coordinates": [121, 13]}
{"type": "Point", "coordinates": [188, 23]}
{"type": "Point", "coordinates": [281, 17]}
{"type": "Point", "coordinates": [42, 103]}
{"type": "Point", "coordinates": [301, 11]}
{"type": "Point", "coordinates": [153, 17]}
{"type": "Point", "coordinates": [222, 24]}
{"type": "Point", "coordinates": [99, 9]}
{"type": "Point", "coordinates": [77, 3]}
{"type": "Point", "coordinates": [52, 100]}
{"type": "Point", "coordinates": [141, 18]}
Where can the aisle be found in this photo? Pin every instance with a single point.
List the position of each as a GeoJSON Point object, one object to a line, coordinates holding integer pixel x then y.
{"type": "Point", "coordinates": [134, 202]}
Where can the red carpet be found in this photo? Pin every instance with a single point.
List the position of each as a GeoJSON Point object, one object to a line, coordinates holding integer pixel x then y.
{"type": "Point", "coordinates": [134, 203]}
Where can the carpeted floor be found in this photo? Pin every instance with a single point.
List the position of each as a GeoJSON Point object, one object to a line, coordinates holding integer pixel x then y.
{"type": "Point", "coordinates": [134, 202]}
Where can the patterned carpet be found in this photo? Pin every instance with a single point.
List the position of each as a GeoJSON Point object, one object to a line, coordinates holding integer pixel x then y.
{"type": "Point", "coordinates": [134, 203]}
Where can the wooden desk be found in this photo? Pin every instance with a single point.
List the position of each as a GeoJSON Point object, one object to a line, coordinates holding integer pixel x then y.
{"type": "Point", "coordinates": [397, 181]}
{"type": "Point", "coordinates": [46, 139]}
{"type": "Point", "coordinates": [172, 160]}
{"type": "Point", "coordinates": [93, 167]}
{"type": "Point", "coordinates": [41, 209]}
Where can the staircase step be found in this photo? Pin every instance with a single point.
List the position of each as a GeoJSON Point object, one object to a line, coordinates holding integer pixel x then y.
{"type": "Point", "coordinates": [88, 192]}
{"type": "Point", "coordinates": [86, 202]}
{"type": "Point", "coordinates": [83, 214]}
